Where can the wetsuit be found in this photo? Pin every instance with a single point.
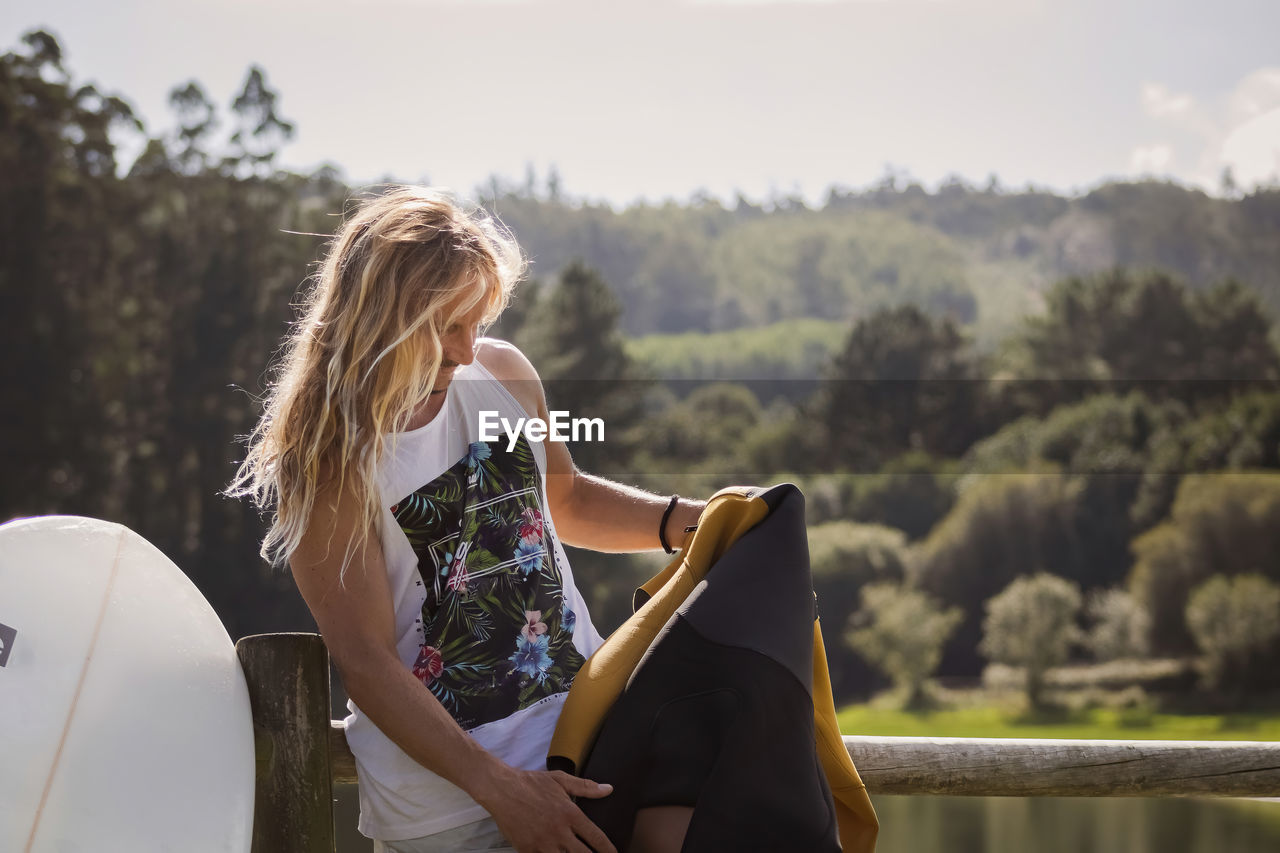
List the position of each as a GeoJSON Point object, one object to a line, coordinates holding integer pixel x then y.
{"type": "Point", "coordinates": [715, 695]}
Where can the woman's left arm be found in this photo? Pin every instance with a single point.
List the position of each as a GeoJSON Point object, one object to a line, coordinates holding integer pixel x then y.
{"type": "Point", "coordinates": [589, 511]}
{"type": "Point", "coordinates": [604, 515]}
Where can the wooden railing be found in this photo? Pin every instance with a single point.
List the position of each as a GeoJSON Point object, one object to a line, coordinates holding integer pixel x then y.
{"type": "Point", "coordinates": [302, 755]}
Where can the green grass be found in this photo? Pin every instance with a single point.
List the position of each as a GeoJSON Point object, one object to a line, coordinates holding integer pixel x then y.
{"type": "Point", "coordinates": [788, 349]}
{"type": "Point", "coordinates": [1096, 723]}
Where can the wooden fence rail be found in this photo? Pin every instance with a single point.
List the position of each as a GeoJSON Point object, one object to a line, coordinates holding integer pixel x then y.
{"type": "Point", "coordinates": [1007, 767]}
{"type": "Point", "coordinates": [302, 755]}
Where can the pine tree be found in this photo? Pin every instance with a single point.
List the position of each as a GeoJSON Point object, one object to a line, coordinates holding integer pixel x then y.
{"type": "Point", "coordinates": [571, 335]}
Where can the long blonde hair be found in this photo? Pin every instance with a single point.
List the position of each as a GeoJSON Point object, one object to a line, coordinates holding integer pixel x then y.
{"type": "Point", "coordinates": [367, 350]}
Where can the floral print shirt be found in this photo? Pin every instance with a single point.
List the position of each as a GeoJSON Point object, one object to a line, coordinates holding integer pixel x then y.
{"type": "Point", "coordinates": [496, 635]}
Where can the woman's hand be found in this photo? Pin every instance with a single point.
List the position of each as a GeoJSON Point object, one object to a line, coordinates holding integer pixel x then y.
{"type": "Point", "coordinates": [535, 811]}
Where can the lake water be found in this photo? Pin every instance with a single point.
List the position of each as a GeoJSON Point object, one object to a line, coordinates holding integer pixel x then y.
{"type": "Point", "coordinates": [1076, 825]}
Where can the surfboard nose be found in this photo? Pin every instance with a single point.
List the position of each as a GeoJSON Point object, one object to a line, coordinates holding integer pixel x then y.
{"type": "Point", "coordinates": [128, 724]}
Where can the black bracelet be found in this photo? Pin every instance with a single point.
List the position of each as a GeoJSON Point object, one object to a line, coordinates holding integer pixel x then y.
{"type": "Point", "coordinates": [662, 525]}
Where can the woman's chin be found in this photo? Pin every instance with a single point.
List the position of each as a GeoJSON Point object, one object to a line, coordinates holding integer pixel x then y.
{"type": "Point", "coordinates": [443, 379]}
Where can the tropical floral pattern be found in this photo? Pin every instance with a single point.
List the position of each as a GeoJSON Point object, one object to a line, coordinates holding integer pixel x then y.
{"type": "Point", "coordinates": [496, 635]}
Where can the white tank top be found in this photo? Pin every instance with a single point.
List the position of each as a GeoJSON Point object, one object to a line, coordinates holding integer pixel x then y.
{"type": "Point", "coordinates": [487, 613]}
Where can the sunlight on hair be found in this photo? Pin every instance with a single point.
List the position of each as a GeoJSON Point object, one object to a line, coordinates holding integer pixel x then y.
{"type": "Point", "coordinates": [406, 264]}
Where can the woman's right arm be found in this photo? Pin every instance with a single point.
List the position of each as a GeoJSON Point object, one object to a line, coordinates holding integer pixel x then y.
{"type": "Point", "coordinates": [357, 620]}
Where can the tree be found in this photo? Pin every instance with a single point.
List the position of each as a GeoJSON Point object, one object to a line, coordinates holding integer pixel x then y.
{"type": "Point", "coordinates": [703, 432]}
{"type": "Point", "coordinates": [197, 119]}
{"type": "Point", "coordinates": [517, 312]}
{"type": "Point", "coordinates": [142, 299]}
{"type": "Point", "coordinates": [1235, 622]}
{"type": "Point", "coordinates": [1118, 445]}
{"type": "Point", "coordinates": [1222, 523]}
{"type": "Point", "coordinates": [901, 631]}
{"type": "Point", "coordinates": [1103, 440]}
{"type": "Point", "coordinates": [60, 208]}
{"type": "Point", "coordinates": [1243, 435]}
{"type": "Point", "coordinates": [999, 526]}
{"type": "Point", "coordinates": [1032, 624]}
{"type": "Point", "coordinates": [260, 129]}
{"type": "Point", "coordinates": [571, 336]}
{"type": "Point", "coordinates": [1227, 185]}
{"type": "Point", "coordinates": [1121, 626]}
{"type": "Point", "coordinates": [844, 557]}
{"type": "Point", "coordinates": [1234, 328]}
{"type": "Point", "coordinates": [1119, 331]}
{"type": "Point", "coordinates": [554, 185]}
{"type": "Point", "coordinates": [912, 493]}
{"type": "Point", "coordinates": [902, 381]}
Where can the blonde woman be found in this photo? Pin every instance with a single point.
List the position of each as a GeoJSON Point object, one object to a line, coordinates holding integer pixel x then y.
{"type": "Point", "coordinates": [432, 560]}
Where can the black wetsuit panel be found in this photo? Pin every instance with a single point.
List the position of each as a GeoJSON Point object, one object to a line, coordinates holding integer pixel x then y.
{"type": "Point", "coordinates": [719, 714]}
{"type": "Point", "coordinates": [725, 730]}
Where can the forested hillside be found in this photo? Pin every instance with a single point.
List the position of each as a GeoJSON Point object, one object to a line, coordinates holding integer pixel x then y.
{"type": "Point", "coordinates": [972, 386]}
{"type": "Point", "coordinates": [982, 256]}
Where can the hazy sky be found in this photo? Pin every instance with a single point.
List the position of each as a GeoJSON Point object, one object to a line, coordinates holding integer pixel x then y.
{"type": "Point", "coordinates": [658, 99]}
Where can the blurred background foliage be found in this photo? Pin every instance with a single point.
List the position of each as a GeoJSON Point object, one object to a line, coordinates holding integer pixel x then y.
{"type": "Point", "coordinates": [974, 387]}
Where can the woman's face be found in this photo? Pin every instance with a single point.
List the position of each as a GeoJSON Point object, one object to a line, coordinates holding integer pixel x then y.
{"type": "Point", "coordinates": [459, 343]}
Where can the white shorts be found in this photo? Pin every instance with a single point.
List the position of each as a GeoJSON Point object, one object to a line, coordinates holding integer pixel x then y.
{"type": "Point", "coordinates": [483, 835]}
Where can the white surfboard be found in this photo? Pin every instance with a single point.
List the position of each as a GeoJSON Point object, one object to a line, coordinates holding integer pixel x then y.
{"type": "Point", "coordinates": [124, 717]}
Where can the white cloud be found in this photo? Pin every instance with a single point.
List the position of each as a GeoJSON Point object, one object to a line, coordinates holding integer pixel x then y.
{"type": "Point", "coordinates": [1252, 150]}
{"type": "Point", "coordinates": [1239, 129]}
{"type": "Point", "coordinates": [1257, 93]}
{"type": "Point", "coordinates": [1249, 137]}
{"type": "Point", "coordinates": [1151, 159]}
{"type": "Point", "coordinates": [1159, 102]}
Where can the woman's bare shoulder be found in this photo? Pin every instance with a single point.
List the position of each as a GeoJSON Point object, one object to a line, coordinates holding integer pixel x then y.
{"type": "Point", "coordinates": [513, 369]}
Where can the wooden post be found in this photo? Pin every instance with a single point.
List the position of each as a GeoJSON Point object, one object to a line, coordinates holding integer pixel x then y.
{"type": "Point", "coordinates": [288, 680]}
{"type": "Point", "coordinates": [342, 764]}
{"type": "Point", "coordinates": [1008, 767]}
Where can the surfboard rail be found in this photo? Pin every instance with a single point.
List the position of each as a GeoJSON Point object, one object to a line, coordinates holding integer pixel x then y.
{"type": "Point", "coordinates": [303, 755]}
